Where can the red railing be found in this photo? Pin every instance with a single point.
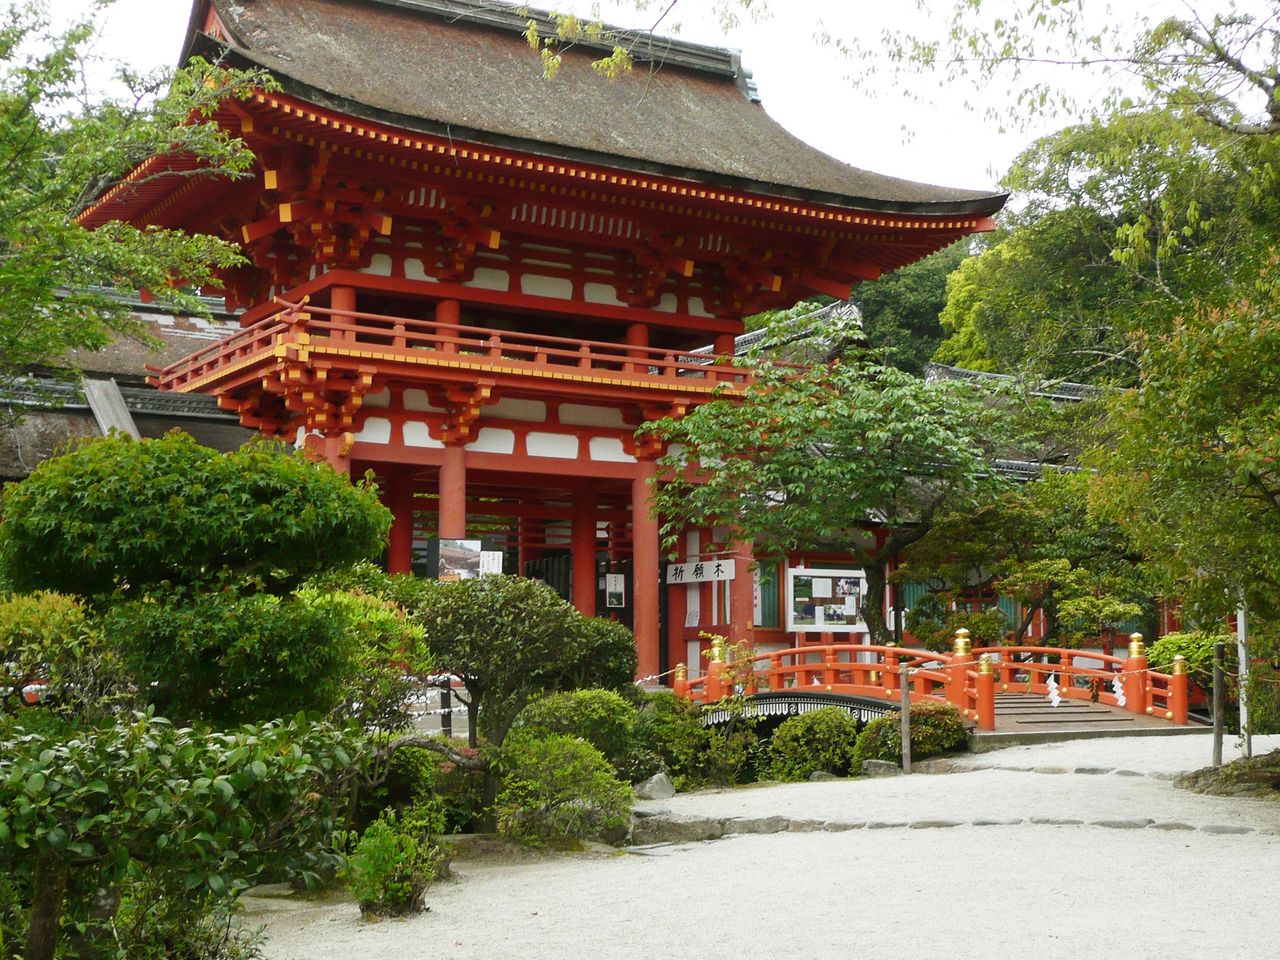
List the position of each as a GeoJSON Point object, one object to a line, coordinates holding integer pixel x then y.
{"type": "Point", "coordinates": [320, 330]}
{"type": "Point", "coordinates": [967, 678]}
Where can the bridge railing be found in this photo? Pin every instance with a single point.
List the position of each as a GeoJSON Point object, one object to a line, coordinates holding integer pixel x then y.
{"type": "Point", "coordinates": [866, 670]}
{"type": "Point", "coordinates": [1126, 682]}
{"type": "Point", "coordinates": [967, 678]}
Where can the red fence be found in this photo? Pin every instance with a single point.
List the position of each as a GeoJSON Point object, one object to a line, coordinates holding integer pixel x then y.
{"type": "Point", "coordinates": [968, 678]}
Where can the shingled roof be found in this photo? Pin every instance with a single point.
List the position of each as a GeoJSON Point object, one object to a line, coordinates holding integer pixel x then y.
{"type": "Point", "coordinates": [464, 69]}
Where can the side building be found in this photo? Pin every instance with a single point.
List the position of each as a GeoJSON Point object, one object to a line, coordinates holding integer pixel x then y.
{"type": "Point", "coordinates": [476, 283]}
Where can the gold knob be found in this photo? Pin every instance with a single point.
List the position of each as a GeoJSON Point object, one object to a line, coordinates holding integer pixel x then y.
{"type": "Point", "coordinates": [985, 666]}
{"type": "Point", "coordinates": [1179, 665]}
{"type": "Point", "coordinates": [682, 672]}
{"type": "Point", "coordinates": [961, 646]}
{"type": "Point", "coordinates": [1136, 647]}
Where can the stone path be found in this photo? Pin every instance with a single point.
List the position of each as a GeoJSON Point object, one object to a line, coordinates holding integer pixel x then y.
{"type": "Point", "coordinates": [1053, 851]}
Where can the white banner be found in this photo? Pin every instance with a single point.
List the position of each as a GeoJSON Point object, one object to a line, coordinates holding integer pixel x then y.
{"type": "Point", "coordinates": [701, 571]}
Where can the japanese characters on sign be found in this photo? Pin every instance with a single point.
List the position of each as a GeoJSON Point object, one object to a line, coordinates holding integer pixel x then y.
{"type": "Point", "coordinates": [701, 571]}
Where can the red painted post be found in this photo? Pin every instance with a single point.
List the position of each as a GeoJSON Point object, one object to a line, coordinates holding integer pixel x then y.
{"type": "Point", "coordinates": [1137, 700]}
{"type": "Point", "coordinates": [644, 571]}
{"type": "Point", "coordinates": [343, 302]}
{"type": "Point", "coordinates": [583, 553]}
{"type": "Point", "coordinates": [1178, 690]}
{"type": "Point", "coordinates": [742, 606]}
{"type": "Point", "coordinates": [453, 493]}
{"type": "Point", "coordinates": [399, 499]}
{"type": "Point", "coordinates": [680, 684]}
{"type": "Point", "coordinates": [986, 706]}
{"type": "Point", "coordinates": [829, 659]}
{"type": "Point", "coordinates": [957, 674]}
{"type": "Point", "coordinates": [890, 675]}
{"type": "Point", "coordinates": [449, 313]}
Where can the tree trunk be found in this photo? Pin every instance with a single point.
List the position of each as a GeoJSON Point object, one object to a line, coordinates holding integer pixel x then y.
{"type": "Point", "coordinates": [48, 888]}
{"type": "Point", "coordinates": [873, 609]}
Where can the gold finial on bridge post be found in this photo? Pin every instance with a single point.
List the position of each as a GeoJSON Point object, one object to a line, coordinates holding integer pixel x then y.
{"type": "Point", "coordinates": [1136, 647]}
{"type": "Point", "coordinates": [682, 672]}
{"type": "Point", "coordinates": [985, 666]}
{"type": "Point", "coordinates": [961, 646]}
{"type": "Point", "coordinates": [1179, 665]}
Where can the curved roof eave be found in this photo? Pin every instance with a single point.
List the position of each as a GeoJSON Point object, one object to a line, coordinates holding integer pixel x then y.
{"type": "Point", "coordinates": [200, 44]}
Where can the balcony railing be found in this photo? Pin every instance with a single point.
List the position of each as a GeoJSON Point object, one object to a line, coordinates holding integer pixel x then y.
{"type": "Point", "coordinates": [315, 332]}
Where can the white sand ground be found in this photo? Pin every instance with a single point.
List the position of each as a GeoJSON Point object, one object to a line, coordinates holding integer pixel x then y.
{"type": "Point", "coordinates": [1014, 890]}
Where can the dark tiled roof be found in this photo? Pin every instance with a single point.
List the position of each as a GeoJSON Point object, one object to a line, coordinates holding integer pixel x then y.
{"type": "Point", "coordinates": [462, 68]}
{"type": "Point", "coordinates": [1052, 390]}
{"type": "Point", "coordinates": [127, 358]}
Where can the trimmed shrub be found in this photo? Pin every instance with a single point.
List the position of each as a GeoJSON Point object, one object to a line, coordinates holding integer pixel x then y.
{"type": "Point", "coordinates": [230, 658]}
{"type": "Point", "coordinates": [935, 727]}
{"type": "Point", "coordinates": [560, 789]}
{"type": "Point", "coordinates": [395, 860]}
{"type": "Point", "coordinates": [606, 657]}
{"type": "Point", "coordinates": [824, 739]}
{"type": "Point", "coordinates": [671, 727]}
{"type": "Point", "coordinates": [601, 717]}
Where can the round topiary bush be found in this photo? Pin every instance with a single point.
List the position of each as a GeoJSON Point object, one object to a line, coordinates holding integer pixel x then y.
{"type": "Point", "coordinates": [560, 789]}
{"type": "Point", "coordinates": [824, 739]}
{"type": "Point", "coordinates": [601, 717]}
{"type": "Point", "coordinates": [935, 728]}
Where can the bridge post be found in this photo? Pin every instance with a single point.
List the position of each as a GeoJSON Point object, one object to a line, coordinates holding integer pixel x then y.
{"type": "Point", "coordinates": [829, 659]}
{"type": "Point", "coordinates": [956, 673]}
{"type": "Point", "coordinates": [1135, 679]}
{"type": "Point", "coordinates": [890, 677]}
{"type": "Point", "coordinates": [986, 693]}
{"type": "Point", "coordinates": [1178, 690]}
{"type": "Point", "coordinates": [680, 684]}
{"type": "Point", "coordinates": [715, 678]}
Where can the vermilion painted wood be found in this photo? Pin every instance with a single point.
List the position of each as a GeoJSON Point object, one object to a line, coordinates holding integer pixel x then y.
{"type": "Point", "coordinates": [947, 678]}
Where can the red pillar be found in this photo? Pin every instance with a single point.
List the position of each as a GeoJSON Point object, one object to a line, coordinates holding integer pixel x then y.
{"type": "Point", "coordinates": [637, 336]}
{"type": "Point", "coordinates": [399, 499]}
{"type": "Point", "coordinates": [644, 559]}
{"type": "Point", "coordinates": [343, 299]}
{"type": "Point", "coordinates": [725, 344]}
{"type": "Point", "coordinates": [453, 493]}
{"type": "Point", "coordinates": [742, 600]}
{"type": "Point", "coordinates": [583, 550]}
{"type": "Point", "coordinates": [448, 311]}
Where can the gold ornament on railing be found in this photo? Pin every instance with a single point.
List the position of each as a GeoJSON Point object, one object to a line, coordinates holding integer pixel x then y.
{"type": "Point", "coordinates": [1136, 647]}
{"type": "Point", "coordinates": [961, 647]}
{"type": "Point", "coordinates": [1179, 665]}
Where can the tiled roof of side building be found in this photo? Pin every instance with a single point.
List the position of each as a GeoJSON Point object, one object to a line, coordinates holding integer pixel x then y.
{"type": "Point", "coordinates": [1052, 389]}
{"type": "Point", "coordinates": [463, 68]}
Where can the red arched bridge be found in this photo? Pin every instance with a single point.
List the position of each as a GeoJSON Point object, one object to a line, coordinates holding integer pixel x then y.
{"type": "Point", "coordinates": [970, 678]}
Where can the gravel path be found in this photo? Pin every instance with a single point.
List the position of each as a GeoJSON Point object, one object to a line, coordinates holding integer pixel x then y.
{"type": "Point", "coordinates": [1143, 871]}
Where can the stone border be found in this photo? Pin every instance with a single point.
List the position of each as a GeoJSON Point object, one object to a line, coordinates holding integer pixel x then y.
{"type": "Point", "coordinates": [661, 828]}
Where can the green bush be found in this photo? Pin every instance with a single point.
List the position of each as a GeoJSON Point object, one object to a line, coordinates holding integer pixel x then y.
{"type": "Point", "coordinates": [731, 754]}
{"type": "Point", "coordinates": [228, 658]}
{"type": "Point", "coordinates": [823, 739]}
{"type": "Point", "coordinates": [48, 640]}
{"type": "Point", "coordinates": [637, 764]}
{"type": "Point", "coordinates": [935, 727]}
{"type": "Point", "coordinates": [601, 717]}
{"type": "Point", "coordinates": [117, 513]}
{"type": "Point", "coordinates": [395, 860]}
{"type": "Point", "coordinates": [606, 657]}
{"type": "Point", "coordinates": [560, 789]}
{"type": "Point", "coordinates": [415, 775]}
{"type": "Point", "coordinates": [1197, 647]}
{"type": "Point", "coordinates": [671, 727]}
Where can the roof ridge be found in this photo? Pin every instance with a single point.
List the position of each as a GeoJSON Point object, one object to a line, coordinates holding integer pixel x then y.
{"type": "Point", "coordinates": [513, 17]}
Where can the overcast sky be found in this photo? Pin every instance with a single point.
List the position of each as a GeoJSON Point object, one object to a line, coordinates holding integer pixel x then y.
{"type": "Point", "coordinates": [804, 86]}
